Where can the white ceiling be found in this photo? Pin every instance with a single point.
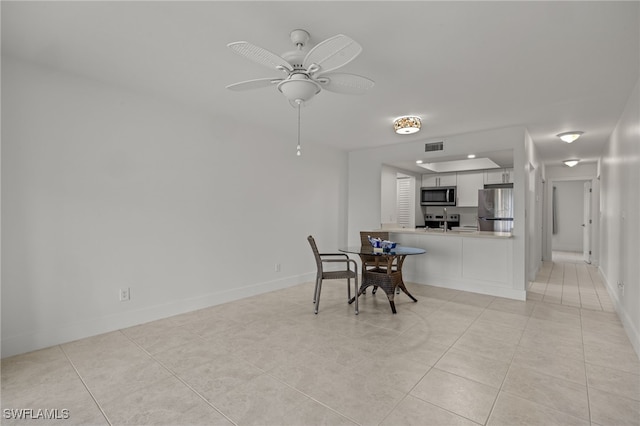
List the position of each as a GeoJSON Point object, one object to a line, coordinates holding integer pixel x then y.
{"type": "Point", "coordinates": [461, 66]}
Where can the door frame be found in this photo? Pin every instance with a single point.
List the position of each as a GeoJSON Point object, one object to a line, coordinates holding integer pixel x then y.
{"type": "Point", "coordinates": [587, 221]}
{"type": "Point", "coordinates": [595, 216]}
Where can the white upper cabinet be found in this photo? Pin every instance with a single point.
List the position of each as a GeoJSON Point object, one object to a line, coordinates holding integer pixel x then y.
{"type": "Point", "coordinates": [498, 176]}
{"type": "Point", "coordinates": [468, 185]}
{"type": "Point", "coordinates": [508, 175]}
{"type": "Point", "coordinates": [440, 179]}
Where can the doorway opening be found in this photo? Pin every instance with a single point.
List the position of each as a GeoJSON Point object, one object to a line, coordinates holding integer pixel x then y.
{"type": "Point", "coordinates": [571, 221]}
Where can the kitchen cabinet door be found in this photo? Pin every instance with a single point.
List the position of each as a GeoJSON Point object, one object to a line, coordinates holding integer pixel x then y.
{"type": "Point", "coordinates": [468, 185]}
{"type": "Point", "coordinates": [429, 180]}
{"type": "Point", "coordinates": [439, 179]}
{"type": "Point", "coordinates": [448, 179]}
{"type": "Point", "coordinates": [494, 176]}
{"type": "Point", "coordinates": [508, 175]}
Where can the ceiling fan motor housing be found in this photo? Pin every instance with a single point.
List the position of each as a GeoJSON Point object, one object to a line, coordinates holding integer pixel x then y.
{"type": "Point", "coordinates": [295, 58]}
{"type": "Point", "coordinates": [299, 38]}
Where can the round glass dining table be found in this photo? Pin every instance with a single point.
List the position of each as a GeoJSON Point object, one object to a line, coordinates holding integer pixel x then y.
{"type": "Point", "coordinates": [369, 250]}
{"type": "Point", "coordinates": [386, 270]}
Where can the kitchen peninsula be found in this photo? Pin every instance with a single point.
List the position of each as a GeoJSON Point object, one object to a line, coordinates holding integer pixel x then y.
{"type": "Point", "coordinates": [475, 261]}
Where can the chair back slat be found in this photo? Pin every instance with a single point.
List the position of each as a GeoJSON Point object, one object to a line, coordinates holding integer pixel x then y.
{"type": "Point", "coordinates": [364, 241]}
{"type": "Point", "coordinates": [316, 253]}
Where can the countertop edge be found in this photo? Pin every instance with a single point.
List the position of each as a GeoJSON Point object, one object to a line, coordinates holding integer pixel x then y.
{"type": "Point", "coordinates": [469, 234]}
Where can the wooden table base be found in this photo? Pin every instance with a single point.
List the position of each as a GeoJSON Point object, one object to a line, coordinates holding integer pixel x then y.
{"type": "Point", "coordinates": [387, 280]}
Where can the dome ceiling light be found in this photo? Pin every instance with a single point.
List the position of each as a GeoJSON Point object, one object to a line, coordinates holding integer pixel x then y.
{"type": "Point", "coordinates": [571, 163]}
{"type": "Point", "coordinates": [569, 137]}
{"type": "Point", "coordinates": [407, 125]}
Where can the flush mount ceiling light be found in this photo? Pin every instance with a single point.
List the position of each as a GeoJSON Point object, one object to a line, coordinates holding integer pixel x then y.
{"type": "Point", "coordinates": [569, 137]}
{"type": "Point", "coordinates": [571, 163]}
{"type": "Point", "coordinates": [407, 125]}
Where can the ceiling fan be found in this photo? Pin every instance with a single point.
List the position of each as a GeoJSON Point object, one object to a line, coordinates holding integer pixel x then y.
{"type": "Point", "coordinates": [308, 71]}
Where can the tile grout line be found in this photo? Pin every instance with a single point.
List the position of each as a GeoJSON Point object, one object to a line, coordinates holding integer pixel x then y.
{"type": "Point", "coordinates": [434, 366]}
{"type": "Point", "coordinates": [466, 378]}
{"type": "Point", "coordinates": [174, 374]}
{"type": "Point", "coordinates": [429, 369]}
{"type": "Point", "coordinates": [586, 379]}
{"type": "Point", "coordinates": [311, 398]}
{"type": "Point", "coordinates": [509, 367]}
{"type": "Point", "coordinates": [555, 378]}
{"type": "Point", "coordinates": [85, 385]}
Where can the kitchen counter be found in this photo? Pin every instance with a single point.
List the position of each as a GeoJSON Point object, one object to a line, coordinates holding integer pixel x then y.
{"type": "Point", "coordinates": [476, 261]}
{"type": "Point", "coordinates": [451, 233]}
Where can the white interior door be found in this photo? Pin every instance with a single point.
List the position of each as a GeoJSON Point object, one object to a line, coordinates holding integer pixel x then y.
{"type": "Point", "coordinates": [586, 223]}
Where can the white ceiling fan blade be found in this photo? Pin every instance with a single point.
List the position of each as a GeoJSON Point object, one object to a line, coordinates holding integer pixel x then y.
{"type": "Point", "coordinates": [349, 84]}
{"type": "Point", "coordinates": [254, 84]}
{"type": "Point", "coordinates": [331, 54]}
{"type": "Point", "coordinates": [259, 55]}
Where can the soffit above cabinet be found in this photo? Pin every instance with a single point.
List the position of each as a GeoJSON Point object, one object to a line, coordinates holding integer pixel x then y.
{"type": "Point", "coordinates": [457, 163]}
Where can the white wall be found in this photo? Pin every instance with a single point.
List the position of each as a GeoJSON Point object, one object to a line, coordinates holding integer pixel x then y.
{"type": "Point", "coordinates": [389, 195]}
{"type": "Point", "coordinates": [620, 220]}
{"type": "Point", "coordinates": [365, 167]}
{"type": "Point", "coordinates": [569, 216]}
{"type": "Point", "coordinates": [534, 189]}
{"type": "Point", "coordinates": [104, 188]}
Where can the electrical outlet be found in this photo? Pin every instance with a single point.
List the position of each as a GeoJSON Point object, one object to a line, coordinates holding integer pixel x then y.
{"type": "Point", "coordinates": [125, 294]}
{"type": "Point", "coordinates": [277, 267]}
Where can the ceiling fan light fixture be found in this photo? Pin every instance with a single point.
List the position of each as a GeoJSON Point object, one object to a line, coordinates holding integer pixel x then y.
{"type": "Point", "coordinates": [308, 70]}
{"type": "Point", "coordinates": [569, 137]}
{"type": "Point", "coordinates": [571, 163]}
{"type": "Point", "coordinates": [407, 125]}
{"type": "Point", "coordinates": [298, 87]}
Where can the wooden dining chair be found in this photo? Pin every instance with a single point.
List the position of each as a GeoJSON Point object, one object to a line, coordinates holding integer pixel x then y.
{"type": "Point", "coordinates": [346, 273]}
{"type": "Point", "coordinates": [374, 262]}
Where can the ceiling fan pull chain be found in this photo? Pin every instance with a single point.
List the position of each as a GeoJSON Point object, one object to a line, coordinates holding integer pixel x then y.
{"type": "Point", "coordinates": [299, 102]}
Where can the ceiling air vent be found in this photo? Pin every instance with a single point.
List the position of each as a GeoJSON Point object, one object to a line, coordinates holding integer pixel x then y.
{"type": "Point", "coordinates": [435, 146]}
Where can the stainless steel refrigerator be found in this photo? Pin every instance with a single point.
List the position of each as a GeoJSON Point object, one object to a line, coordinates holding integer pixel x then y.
{"type": "Point", "coordinates": [495, 209]}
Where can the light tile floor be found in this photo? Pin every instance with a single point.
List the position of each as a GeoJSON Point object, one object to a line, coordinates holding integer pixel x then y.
{"type": "Point", "coordinates": [568, 280]}
{"type": "Point", "coordinates": [452, 358]}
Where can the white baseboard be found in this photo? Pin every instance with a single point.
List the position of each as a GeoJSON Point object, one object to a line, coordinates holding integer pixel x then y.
{"type": "Point", "coordinates": [632, 331]}
{"type": "Point", "coordinates": [44, 338]}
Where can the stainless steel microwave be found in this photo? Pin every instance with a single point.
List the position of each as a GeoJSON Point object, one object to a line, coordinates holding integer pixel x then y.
{"type": "Point", "coordinates": [438, 196]}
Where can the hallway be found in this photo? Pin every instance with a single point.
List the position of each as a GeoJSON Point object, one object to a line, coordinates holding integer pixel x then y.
{"type": "Point", "coordinates": [568, 280]}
